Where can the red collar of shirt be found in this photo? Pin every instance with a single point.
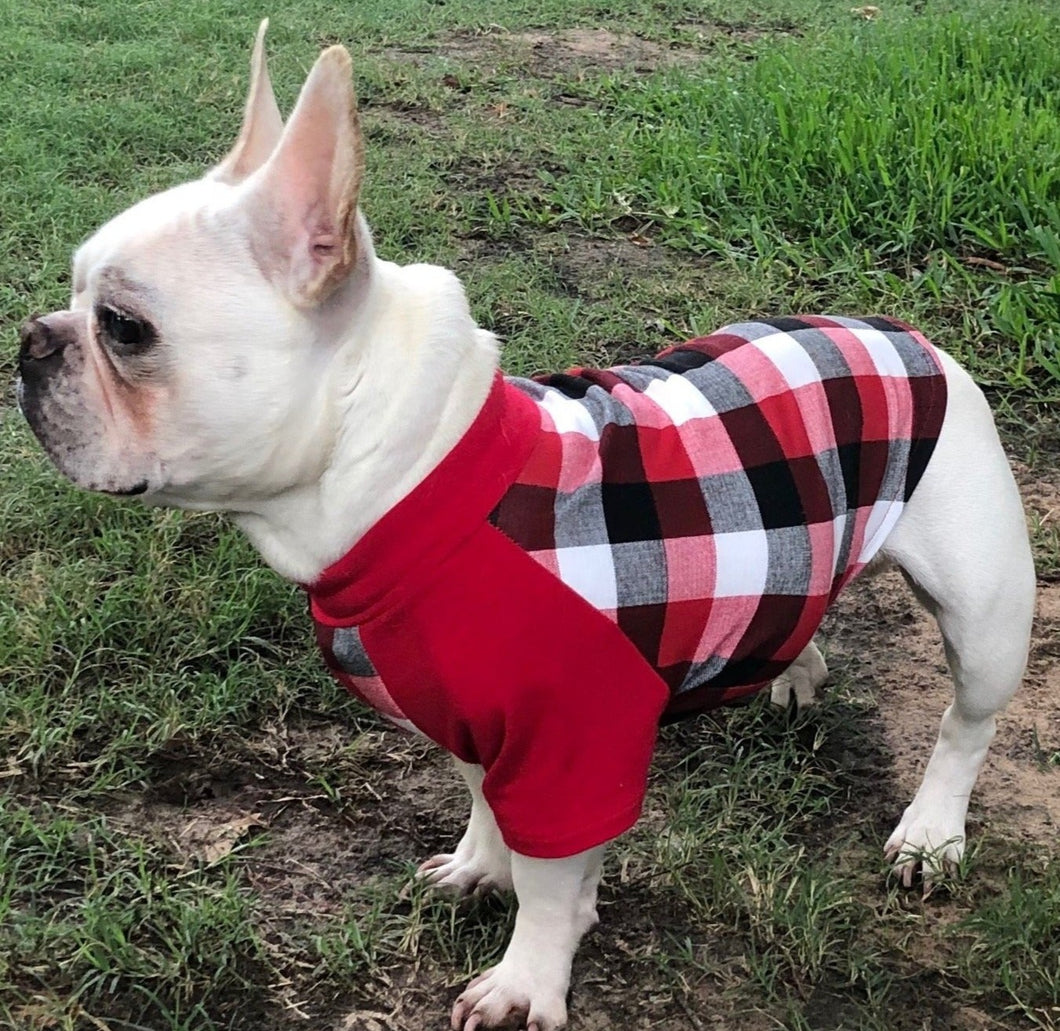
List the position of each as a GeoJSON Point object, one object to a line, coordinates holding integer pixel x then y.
{"type": "Point", "coordinates": [438, 515]}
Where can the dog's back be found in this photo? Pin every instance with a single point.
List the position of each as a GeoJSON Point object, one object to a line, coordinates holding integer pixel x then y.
{"type": "Point", "coordinates": [714, 500]}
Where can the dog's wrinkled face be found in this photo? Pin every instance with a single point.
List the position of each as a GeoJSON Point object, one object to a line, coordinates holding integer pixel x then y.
{"type": "Point", "coordinates": [170, 333]}
{"type": "Point", "coordinates": [189, 367]}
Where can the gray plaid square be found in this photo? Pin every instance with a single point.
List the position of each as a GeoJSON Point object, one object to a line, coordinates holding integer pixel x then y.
{"type": "Point", "coordinates": [731, 502]}
{"type": "Point", "coordinates": [790, 561]}
{"type": "Point", "coordinates": [721, 385]}
{"type": "Point", "coordinates": [580, 517]}
{"type": "Point", "coordinates": [640, 572]}
{"type": "Point", "coordinates": [348, 650]}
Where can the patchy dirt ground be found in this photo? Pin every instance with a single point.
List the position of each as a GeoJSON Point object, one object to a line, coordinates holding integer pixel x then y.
{"type": "Point", "coordinates": [1018, 792]}
{"type": "Point", "coordinates": [576, 51]}
{"type": "Point", "coordinates": [384, 801]}
{"type": "Point", "coordinates": [304, 849]}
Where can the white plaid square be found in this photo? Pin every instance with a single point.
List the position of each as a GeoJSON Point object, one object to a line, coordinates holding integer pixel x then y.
{"type": "Point", "coordinates": [793, 362]}
{"type": "Point", "coordinates": [742, 562]}
{"type": "Point", "coordinates": [881, 520]}
{"type": "Point", "coordinates": [590, 571]}
{"type": "Point", "coordinates": [680, 399]}
{"type": "Point", "coordinates": [885, 358]}
{"type": "Point", "coordinates": [570, 415]}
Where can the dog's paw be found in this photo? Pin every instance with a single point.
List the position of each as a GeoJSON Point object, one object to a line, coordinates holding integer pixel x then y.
{"type": "Point", "coordinates": [466, 874]}
{"type": "Point", "coordinates": [803, 680]}
{"type": "Point", "coordinates": [928, 846]}
{"type": "Point", "coordinates": [787, 687]}
{"type": "Point", "coordinates": [506, 997]}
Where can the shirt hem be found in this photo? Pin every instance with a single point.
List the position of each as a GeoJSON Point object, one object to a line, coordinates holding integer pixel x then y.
{"type": "Point", "coordinates": [579, 841]}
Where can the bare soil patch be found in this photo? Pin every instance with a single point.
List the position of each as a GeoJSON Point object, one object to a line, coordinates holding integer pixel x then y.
{"type": "Point", "coordinates": [503, 177]}
{"type": "Point", "coordinates": [304, 849]}
{"type": "Point", "coordinates": [1018, 791]}
{"type": "Point", "coordinates": [880, 634]}
{"type": "Point", "coordinates": [586, 49]}
{"type": "Point", "coordinates": [570, 53]}
{"type": "Point", "coordinates": [592, 265]}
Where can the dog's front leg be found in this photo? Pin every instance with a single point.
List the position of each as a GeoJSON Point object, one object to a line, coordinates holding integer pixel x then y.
{"type": "Point", "coordinates": [804, 679]}
{"type": "Point", "coordinates": [481, 861]}
{"type": "Point", "coordinates": [557, 905]}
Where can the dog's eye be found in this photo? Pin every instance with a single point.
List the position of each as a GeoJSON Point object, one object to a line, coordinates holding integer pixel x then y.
{"type": "Point", "coordinates": [125, 334]}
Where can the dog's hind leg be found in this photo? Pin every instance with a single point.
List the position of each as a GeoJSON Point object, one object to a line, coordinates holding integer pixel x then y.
{"type": "Point", "coordinates": [962, 544]}
{"type": "Point", "coordinates": [481, 862]}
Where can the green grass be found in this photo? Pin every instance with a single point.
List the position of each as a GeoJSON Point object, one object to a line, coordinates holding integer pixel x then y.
{"type": "Point", "coordinates": [156, 680]}
{"type": "Point", "coordinates": [107, 926]}
{"type": "Point", "coordinates": [1016, 952]}
{"type": "Point", "coordinates": [916, 160]}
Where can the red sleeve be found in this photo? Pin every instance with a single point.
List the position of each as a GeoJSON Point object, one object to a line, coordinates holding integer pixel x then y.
{"type": "Point", "coordinates": [502, 664]}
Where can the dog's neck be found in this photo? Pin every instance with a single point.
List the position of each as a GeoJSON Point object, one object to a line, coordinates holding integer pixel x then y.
{"type": "Point", "coordinates": [407, 381]}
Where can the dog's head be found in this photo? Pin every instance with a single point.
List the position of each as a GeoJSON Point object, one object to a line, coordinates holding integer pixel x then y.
{"type": "Point", "coordinates": [189, 365]}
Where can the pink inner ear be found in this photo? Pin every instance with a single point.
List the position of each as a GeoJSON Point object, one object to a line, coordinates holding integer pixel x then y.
{"type": "Point", "coordinates": [310, 183]}
{"type": "Point", "coordinates": [306, 190]}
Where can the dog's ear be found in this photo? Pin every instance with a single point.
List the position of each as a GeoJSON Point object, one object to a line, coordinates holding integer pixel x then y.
{"type": "Point", "coordinates": [262, 123]}
{"type": "Point", "coordinates": [304, 200]}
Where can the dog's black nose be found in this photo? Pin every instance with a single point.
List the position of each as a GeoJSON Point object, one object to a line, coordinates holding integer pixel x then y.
{"type": "Point", "coordinates": [39, 341]}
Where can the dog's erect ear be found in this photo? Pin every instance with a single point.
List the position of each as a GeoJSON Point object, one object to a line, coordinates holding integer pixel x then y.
{"type": "Point", "coordinates": [262, 123]}
{"type": "Point", "coordinates": [305, 198]}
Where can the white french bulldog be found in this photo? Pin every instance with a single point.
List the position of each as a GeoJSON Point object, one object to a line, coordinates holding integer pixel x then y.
{"type": "Point", "coordinates": [231, 345]}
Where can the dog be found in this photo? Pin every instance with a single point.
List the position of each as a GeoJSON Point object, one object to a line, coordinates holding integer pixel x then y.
{"type": "Point", "coordinates": [235, 344]}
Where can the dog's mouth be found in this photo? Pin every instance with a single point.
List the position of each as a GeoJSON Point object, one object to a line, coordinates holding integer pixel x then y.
{"type": "Point", "coordinates": [128, 492]}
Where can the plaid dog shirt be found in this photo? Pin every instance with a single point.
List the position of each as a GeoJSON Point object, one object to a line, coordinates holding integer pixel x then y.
{"type": "Point", "coordinates": [608, 548]}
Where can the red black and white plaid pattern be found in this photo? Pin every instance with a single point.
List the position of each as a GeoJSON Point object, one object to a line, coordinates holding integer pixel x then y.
{"type": "Point", "coordinates": [603, 549]}
{"type": "Point", "coordinates": [715, 500]}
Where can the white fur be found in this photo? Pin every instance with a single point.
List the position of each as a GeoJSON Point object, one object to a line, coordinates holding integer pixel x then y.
{"type": "Point", "coordinates": [962, 545]}
{"type": "Point", "coordinates": [557, 905]}
{"type": "Point", "coordinates": [287, 417]}
{"type": "Point", "coordinates": [481, 862]}
{"type": "Point", "coordinates": [307, 402]}
{"type": "Point", "coordinates": [802, 680]}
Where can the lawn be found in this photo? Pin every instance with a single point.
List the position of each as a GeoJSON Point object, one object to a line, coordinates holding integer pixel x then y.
{"type": "Point", "coordinates": [199, 831]}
